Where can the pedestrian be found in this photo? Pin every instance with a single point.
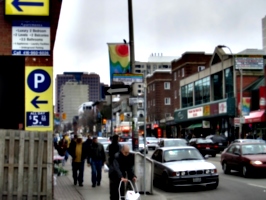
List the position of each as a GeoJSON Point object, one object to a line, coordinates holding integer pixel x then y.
{"type": "Point", "coordinates": [121, 170]}
{"type": "Point", "coordinates": [113, 148]}
{"type": "Point", "coordinates": [75, 129]}
{"type": "Point", "coordinates": [96, 159]}
{"type": "Point", "coordinates": [79, 152]}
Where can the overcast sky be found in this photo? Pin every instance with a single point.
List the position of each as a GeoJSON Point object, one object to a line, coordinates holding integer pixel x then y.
{"type": "Point", "coordinates": [171, 27]}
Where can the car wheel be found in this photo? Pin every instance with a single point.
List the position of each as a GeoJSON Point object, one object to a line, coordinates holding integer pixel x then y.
{"type": "Point", "coordinates": [226, 169]}
{"type": "Point", "coordinates": [213, 186]}
{"type": "Point", "coordinates": [245, 171]}
{"type": "Point", "coordinates": [165, 183]}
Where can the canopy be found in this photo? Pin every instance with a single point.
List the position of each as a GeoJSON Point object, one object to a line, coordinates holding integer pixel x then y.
{"type": "Point", "coordinates": [195, 126]}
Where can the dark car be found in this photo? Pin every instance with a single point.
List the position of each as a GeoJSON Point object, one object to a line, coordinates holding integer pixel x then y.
{"type": "Point", "coordinates": [247, 158]}
{"type": "Point", "coordinates": [219, 140]}
{"type": "Point", "coordinates": [205, 146]}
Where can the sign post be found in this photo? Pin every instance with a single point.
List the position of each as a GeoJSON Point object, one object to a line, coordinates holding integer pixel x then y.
{"type": "Point", "coordinates": [39, 98]}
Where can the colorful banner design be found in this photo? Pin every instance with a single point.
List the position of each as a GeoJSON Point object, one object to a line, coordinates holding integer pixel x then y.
{"type": "Point", "coordinates": [246, 106]}
{"type": "Point", "coordinates": [119, 59]}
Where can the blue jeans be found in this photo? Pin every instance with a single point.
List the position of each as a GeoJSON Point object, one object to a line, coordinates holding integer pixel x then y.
{"type": "Point", "coordinates": [96, 171]}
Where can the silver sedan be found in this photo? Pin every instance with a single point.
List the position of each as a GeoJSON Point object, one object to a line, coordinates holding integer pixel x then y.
{"type": "Point", "coordinates": [183, 166]}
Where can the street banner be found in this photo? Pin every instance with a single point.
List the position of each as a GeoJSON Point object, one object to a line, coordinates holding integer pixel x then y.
{"type": "Point", "coordinates": [119, 59]}
{"type": "Point", "coordinates": [262, 97]}
{"type": "Point", "coordinates": [245, 106]}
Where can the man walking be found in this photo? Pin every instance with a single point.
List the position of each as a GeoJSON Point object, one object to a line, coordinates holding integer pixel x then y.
{"type": "Point", "coordinates": [96, 159]}
{"type": "Point", "coordinates": [79, 152]}
{"type": "Point", "coordinates": [113, 148]}
{"type": "Point", "coordinates": [121, 170]}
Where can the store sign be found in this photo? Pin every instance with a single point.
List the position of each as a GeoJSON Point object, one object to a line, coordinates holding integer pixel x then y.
{"type": "Point", "coordinates": [222, 107]}
{"type": "Point", "coordinates": [180, 115]}
{"type": "Point", "coordinates": [206, 124]}
{"type": "Point", "coordinates": [30, 38]}
{"type": "Point", "coordinates": [249, 62]}
{"type": "Point", "coordinates": [206, 110]}
{"type": "Point", "coordinates": [195, 112]}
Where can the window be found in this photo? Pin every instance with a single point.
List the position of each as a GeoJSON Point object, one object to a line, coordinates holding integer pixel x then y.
{"type": "Point", "coordinates": [178, 73]}
{"type": "Point", "coordinates": [153, 102]}
{"type": "Point", "coordinates": [167, 101]}
{"type": "Point", "coordinates": [187, 95]}
{"type": "Point", "coordinates": [217, 82]}
{"type": "Point", "coordinates": [183, 72]}
{"type": "Point", "coordinates": [148, 67]}
{"type": "Point", "coordinates": [153, 86]}
{"type": "Point", "coordinates": [167, 85]}
{"type": "Point", "coordinates": [175, 76]}
{"type": "Point", "coordinates": [175, 94]}
{"type": "Point", "coordinates": [229, 82]}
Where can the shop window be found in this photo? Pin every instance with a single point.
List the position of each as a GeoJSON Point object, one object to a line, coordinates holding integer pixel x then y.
{"type": "Point", "coordinates": [229, 83]}
{"type": "Point", "coordinates": [217, 89]}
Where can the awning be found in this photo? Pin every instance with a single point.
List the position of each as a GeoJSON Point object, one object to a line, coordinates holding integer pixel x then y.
{"type": "Point", "coordinates": [255, 116]}
{"type": "Point", "coordinates": [195, 126]}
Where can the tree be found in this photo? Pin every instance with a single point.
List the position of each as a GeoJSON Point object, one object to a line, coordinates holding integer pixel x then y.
{"type": "Point", "coordinates": [87, 120]}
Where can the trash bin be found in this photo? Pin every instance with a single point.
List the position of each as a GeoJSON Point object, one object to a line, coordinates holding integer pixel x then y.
{"type": "Point", "coordinates": [141, 173]}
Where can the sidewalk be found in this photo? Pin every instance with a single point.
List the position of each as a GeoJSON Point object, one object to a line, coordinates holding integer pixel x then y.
{"type": "Point", "coordinates": [66, 190]}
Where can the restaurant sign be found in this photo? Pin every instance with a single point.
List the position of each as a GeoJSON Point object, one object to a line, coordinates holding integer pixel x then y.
{"type": "Point", "coordinates": [195, 112]}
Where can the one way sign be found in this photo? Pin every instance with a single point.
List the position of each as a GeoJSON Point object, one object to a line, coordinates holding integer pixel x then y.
{"type": "Point", "coordinates": [117, 89]}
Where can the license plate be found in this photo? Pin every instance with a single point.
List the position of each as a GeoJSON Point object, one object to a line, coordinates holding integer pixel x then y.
{"type": "Point", "coordinates": [220, 143]}
{"type": "Point", "coordinates": [207, 147]}
{"type": "Point", "coordinates": [196, 180]}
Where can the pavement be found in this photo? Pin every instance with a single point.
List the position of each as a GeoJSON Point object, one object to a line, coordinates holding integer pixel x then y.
{"type": "Point", "coordinates": [64, 189]}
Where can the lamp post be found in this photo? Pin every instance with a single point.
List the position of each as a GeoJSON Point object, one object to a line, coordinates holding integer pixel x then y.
{"type": "Point", "coordinates": [241, 89]}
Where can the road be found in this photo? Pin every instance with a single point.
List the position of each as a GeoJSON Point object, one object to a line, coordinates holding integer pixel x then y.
{"type": "Point", "coordinates": [231, 187]}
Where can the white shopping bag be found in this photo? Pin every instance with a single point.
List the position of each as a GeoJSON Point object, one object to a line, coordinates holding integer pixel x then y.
{"type": "Point", "coordinates": [105, 168]}
{"type": "Point", "coordinates": [132, 195]}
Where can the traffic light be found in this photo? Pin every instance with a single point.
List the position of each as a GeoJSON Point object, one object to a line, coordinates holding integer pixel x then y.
{"type": "Point", "coordinates": [104, 121]}
{"type": "Point", "coordinates": [64, 116]}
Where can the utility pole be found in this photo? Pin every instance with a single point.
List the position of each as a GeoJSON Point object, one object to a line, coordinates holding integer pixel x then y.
{"type": "Point", "coordinates": [135, 135]}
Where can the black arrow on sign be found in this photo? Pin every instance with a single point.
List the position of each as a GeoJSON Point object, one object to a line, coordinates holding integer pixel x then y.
{"type": "Point", "coordinates": [35, 102]}
{"type": "Point", "coordinates": [17, 4]}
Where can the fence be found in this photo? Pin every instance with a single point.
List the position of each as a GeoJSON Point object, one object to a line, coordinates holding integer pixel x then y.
{"type": "Point", "coordinates": [26, 169]}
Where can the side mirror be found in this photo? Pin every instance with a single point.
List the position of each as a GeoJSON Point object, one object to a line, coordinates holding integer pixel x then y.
{"type": "Point", "coordinates": [237, 153]}
{"type": "Point", "coordinates": [206, 157]}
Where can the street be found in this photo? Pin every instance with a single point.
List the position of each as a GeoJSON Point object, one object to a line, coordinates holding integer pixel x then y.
{"type": "Point", "coordinates": [231, 187]}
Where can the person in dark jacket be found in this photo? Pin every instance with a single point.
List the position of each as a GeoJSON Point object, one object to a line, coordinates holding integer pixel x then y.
{"type": "Point", "coordinates": [79, 152]}
{"type": "Point", "coordinates": [113, 148]}
{"type": "Point", "coordinates": [96, 159]}
{"type": "Point", "coordinates": [121, 170]}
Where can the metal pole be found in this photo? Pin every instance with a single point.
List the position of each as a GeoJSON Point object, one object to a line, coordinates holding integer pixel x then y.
{"type": "Point", "coordinates": [145, 132]}
{"type": "Point", "coordinates": [111, 114]}
{"type": "Point", "coordinates": [240, 102]}
{"type": "Point", "coordinates": [135, 136]}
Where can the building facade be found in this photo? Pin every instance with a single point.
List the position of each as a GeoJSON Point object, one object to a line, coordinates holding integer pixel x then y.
{"type": "Point", "coordinates": [71, 96]}
{"type": "Point", "coordinates": [264, 33]}
{"type": "Point", "coordinates": [92, 80]}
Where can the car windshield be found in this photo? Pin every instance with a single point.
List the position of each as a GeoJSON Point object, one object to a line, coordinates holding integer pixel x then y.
{"type": "Point", "coordinates": [204, 141]}
{"type": "Point", "coordinates": [181, 154]}
{"type": "Point", "coordinates": [249, 149]}
{"type": "Point", "coordinates": [173, 143]}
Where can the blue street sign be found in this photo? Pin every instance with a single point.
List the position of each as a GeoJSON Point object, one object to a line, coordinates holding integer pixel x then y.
{"type": "Point", "coordinates": [39, 80]}
{"type": "Point", "coordinates": [37, 119]}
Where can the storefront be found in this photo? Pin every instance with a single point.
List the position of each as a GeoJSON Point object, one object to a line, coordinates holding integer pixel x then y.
{"type": "Point", "coordinates": [206, 119]}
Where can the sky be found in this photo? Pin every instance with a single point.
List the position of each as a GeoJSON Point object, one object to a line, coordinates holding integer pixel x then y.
{"type": "Point", "coordinates": [171, 27]}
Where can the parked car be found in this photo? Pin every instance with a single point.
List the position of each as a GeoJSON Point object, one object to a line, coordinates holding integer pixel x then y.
{"type": "Point", "coordinates": [172, 142]}
{"type": "Point", "coordinates": [205, 146]}
{"type": "Point", "coordinates": [183, 166]}
{"type": "Point", "coordinates": [219, 140]}
{"type": "Point", "coordinates": [248, 140]}
{"type": "Point", "coordinates": [152, 142]}
{"type": "Point", "coordinates": [246, 157]}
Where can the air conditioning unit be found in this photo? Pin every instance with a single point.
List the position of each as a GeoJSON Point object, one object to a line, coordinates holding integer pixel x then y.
{"type": "Point", "coordinates": [200, 68]}
{"type": "Point", "coordinates": [128, 114]}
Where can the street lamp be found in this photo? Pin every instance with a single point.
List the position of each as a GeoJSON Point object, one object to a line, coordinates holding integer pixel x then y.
{"type": "Point", "coordinates": [241, 89]}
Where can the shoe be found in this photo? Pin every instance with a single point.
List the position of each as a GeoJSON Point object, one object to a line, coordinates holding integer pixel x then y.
{"type": "Point", "coordinates": [75, 182]}
{"type": "Point", "coordinates": [81, 185]}
{"type": "Point", "coordinates": [98, 184]}
{"type": "Point", "coordinates": [93, 185]}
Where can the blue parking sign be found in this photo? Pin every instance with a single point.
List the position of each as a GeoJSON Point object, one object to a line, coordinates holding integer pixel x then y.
{"type": "Point", "coordinates": [37, 119]}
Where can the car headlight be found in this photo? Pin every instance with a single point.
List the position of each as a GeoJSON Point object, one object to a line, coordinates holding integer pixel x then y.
{"type": "Point", "coordinates": [213, 171]}
{"type": "Point", "coordinates": [256, 162]}
{"type": "Point", "coordinates": [207, 171]}
{"type": "Point", "coordinates": [183, 173]}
